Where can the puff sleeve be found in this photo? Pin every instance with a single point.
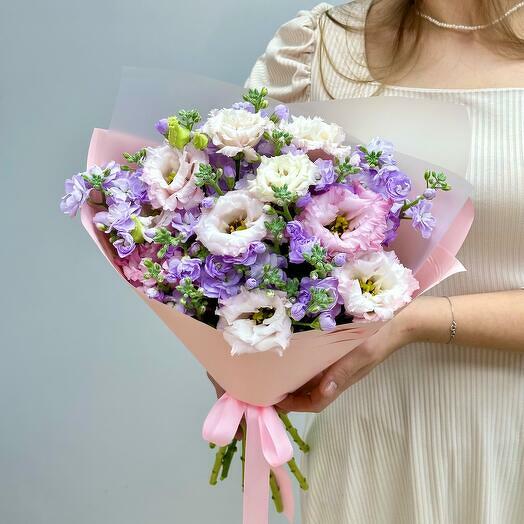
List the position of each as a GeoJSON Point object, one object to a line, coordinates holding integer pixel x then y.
{"type": "Point", "coordinates": [285, 67]}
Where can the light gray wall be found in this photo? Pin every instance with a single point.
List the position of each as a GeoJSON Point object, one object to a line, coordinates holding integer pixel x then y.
{"type": "Point", "coordinates": [100, 407]}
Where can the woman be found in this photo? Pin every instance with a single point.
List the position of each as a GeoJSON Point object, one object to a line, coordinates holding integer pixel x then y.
{"type": "Point", "coordinates": [434, 434]}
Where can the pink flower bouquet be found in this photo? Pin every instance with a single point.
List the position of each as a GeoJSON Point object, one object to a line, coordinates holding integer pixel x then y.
{"type": "Point", "coordinates": [271, 248]}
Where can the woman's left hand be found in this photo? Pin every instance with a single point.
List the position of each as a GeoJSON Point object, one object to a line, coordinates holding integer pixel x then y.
{"type": "Point", "coordinates": [317, 394]}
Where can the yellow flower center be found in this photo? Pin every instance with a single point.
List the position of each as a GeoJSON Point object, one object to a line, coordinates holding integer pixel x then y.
{"type": "Point", "coordinates": [238, 224]}
{"type": "Point", "coordinates": [369, 286]}
{"type": "Point", "coordinates": [261, 314]}
{"type": "Point", "coordinates": [339, 226]}
{"type": "Point", "coordinates": [169, 178]}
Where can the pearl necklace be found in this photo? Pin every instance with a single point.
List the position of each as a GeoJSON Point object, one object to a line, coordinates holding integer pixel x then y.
{"type": "Point", "coordinates": [466, 28]}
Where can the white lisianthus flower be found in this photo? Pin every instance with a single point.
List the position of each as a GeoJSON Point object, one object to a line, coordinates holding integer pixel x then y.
{"type": "Point", "coordinates": [236, 131]}
{"type": "Point", "coordinates": [375, 285]}
{"type": "Point", "coordinates": [313, 133]}
{"type": "Point", "coordinates": [296, 171]}
{"type": "Point", "coordinates": [168, 174]}
{"type": "Point", "coordinates": [256, 321]}
{"type": "Point", "coordinates": [235, 221]}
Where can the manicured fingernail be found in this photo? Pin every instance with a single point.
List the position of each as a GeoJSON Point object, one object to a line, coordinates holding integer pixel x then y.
{"type": "Point", "coordinates": [330, 388]}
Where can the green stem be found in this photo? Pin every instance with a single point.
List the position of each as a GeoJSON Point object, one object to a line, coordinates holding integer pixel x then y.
{"type": "Point", "coordinates": [275, 493]}
{"type": "Point", "coordinates": [405, 207]}
{"type": "Point", "coordinates": [298, 474]}
{"type": "Point", "coordinates": [228, 457]}
{"type": "Point", "coordinates": [217, 465]}
{"type": "Point", "coordinates": [292, 430]}
{"type": "Point", "coordinates": [286, 213]}
{"type": "Point", "coordinates": [217, 188]}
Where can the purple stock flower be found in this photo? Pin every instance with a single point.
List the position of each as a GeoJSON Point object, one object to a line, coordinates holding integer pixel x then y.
{"type": "Point", "coordinates": [124, 244]}
{"type": "Point", "coordinates": [282, 112]}
{"type": "Point", "coordinates": [393, 223]}
{"type": "Point", "coordinates": [77, 192]}
{"type": "Point", "coordinates": [208, 202]}
{"type": "Point", "coordinates": [161, 126]}
{"type": "Point", "coordinates": [251, 283]}
{"type": "Point", "coordinates": [117, 217]}
{"type": "Point", "coordinates": [429, 194]}
{"type": "Point", "coordinates": [185, 221]}
{"type": "Point", "coordinates": [396, 185]}
{"type": "Point", "coordinates": [299, 241]}
{"type": "Point", "coordinates": [339, 259]}
{"type": "Point", "coordinates": [298, 311]}
{"type": "Point", "coordinates": [185, 267]}
{"type": "Point", "coordinates": [327, 322]}
{"type": "Point", "coordinates": [378, 144]}
{"type": "Point", "coordinates": [266, 258]}
{"type": "Point", "coordinates": [265, 148]}
{"type": "Point", "coordinates": [126, 186]}
{"type": "Point", "coordinates": [249, 257]}
{"type": "Point", "coordinates": [220, 279]}
{"type": "Point", "coordinates": [327, 173]}
{"type": "Point", "coordinates": [248, 106]}
{"type": "Point", "coordinates": [330, 284]}
{"type": "Point", "coordinates": [421, 217]}
{"type": "Point", "coordinates": [303, 201]}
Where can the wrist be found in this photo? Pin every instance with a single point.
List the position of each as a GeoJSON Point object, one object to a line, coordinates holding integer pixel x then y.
{"type": "Point", "coordinates": [427, 319]}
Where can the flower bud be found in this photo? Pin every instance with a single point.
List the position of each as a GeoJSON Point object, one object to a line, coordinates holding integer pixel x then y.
{"type": "Point", "coordinates": [162, 126]}
{"type": "Point", "coordinates": [177, 135]}
{"type": "Point", "coordinates": [200, 141]}
{"type": "Point", "coordinates": [429, 194]}
{"type": "Point", "coordinates": [251, 283]}
{"type": "Point", "coordinates": [339, 259]}
{"type": "Point", "coordinates": [327, 322]}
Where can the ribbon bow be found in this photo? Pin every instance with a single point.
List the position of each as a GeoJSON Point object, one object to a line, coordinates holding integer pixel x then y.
{"type": "Point", "coordinates": [267, 449]}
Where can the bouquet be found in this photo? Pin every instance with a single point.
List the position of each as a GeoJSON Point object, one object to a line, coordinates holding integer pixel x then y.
{"type": "Point", "coordinates": [267, 244]}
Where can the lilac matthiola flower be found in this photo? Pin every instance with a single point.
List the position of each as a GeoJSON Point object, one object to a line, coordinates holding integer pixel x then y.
{"type": "Point", "coordinates": [185, 221]}
{"type": "Point", "coordinates": [282, 112]}
{"type": "Point", "coordinates": [327, 173]}
{"type": "Point", "coordinates": [393, 223]}
{"type": "Point", "coordinates": [299, 241]}
{"type": "Point", "coordinates": [330, 284]}
{"type": "Point", "coordinates": [117, 217]}
{"type": "Point", "coordinates": [430, 194]}
{"type": "Point", "coordinates": [161, 126]}
{"type": "Point", "coordinates": [298, 311]}
{"type": "Point", "coordinates": [126, 186]}
{"type": "Point", "coordinates": [327, 322]}
{"type": "Point", "coordinates": [394, 183]}
{"type": "Point", "coordinates": [221, 288]}
{"type": "Point", "coordinates": [378, 144]}
{"type": "Point", "coordinates": [249, 257]}
{"type": "Point", "coordinates": [125, 244]}
{"type": "Point", "coordinates": [303, 201]}
{"type": "Point", "coordinates": [256, 269]}
{"type": "Point", "coordinates": [185, 267]}
{"type": "Point", "coordinates": [248, 106]}
{"type": "Point", "coordinates": [339, 259]}
{"type": "Point", "coordinates": [421, 217]}
{"type": "Point", "coordinates": [208, 202]}
{"type": "Point", "coordinates": [77, 192]}
{"type": "Point", "coordinates": [265, 148]}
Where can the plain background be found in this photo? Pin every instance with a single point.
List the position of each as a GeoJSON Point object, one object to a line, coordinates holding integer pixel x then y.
{"type": "Point", "coordinates": [100, 407]}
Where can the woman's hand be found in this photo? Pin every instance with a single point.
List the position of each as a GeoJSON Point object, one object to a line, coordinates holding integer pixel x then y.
{"type": "Point", "coordinates": [317, 394]}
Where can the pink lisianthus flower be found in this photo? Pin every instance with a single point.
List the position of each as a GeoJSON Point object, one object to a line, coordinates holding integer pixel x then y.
{"type": "Point", "coordinates": [168, 173]}
{"type": "Point", "coordinates": [347, 220]}
{"type": "Point", "coordinates": [375, 285]}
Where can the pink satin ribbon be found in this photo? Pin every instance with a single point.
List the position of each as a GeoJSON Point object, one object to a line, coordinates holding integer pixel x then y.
{"type": "Point", "coordinates": [267, 449]}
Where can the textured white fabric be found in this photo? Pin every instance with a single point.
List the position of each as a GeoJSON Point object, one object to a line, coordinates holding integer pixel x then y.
{"type": "Point", "coordinates": [435, 433]}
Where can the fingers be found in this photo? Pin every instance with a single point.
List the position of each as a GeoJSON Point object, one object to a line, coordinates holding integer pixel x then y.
{"type": "Point", "coordinates": [335, 380]}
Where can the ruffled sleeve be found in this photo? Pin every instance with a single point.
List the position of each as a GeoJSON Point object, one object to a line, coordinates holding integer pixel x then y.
{"type": "Point", "coordinates": [285, 66]}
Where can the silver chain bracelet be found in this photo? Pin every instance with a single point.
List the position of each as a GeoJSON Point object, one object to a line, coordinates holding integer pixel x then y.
{"type": "Point", "coordinates": [453, 325]}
